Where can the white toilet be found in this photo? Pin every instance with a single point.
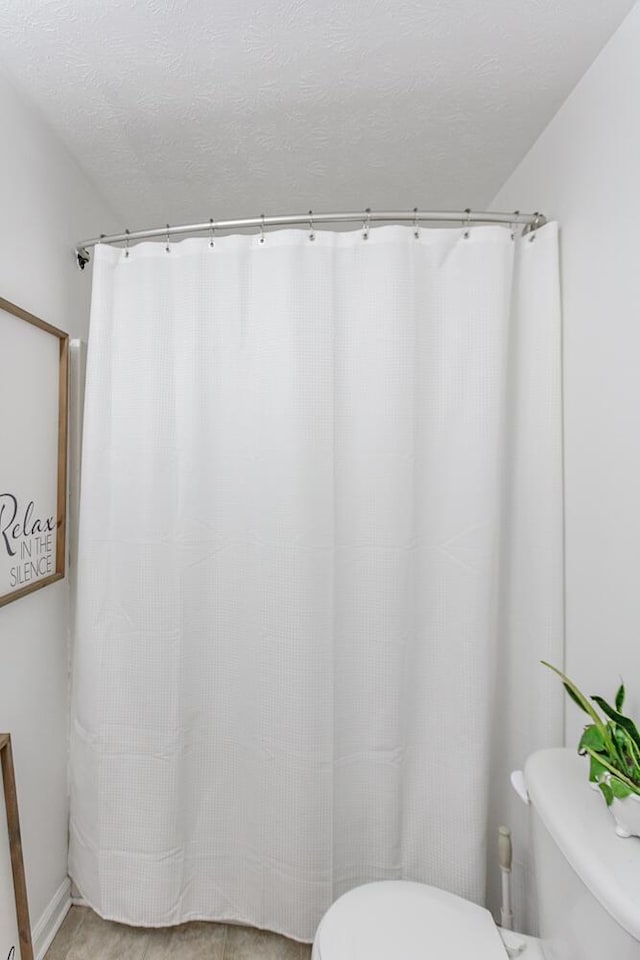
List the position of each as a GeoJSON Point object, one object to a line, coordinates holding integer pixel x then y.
{"type": "Point", "coordinates": [587, 878]}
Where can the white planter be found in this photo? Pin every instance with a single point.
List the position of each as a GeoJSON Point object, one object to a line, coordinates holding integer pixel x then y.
{"type": "Point", "coordinates": [626, 814]}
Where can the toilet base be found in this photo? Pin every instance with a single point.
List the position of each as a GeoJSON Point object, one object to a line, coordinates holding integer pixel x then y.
{"type": "Point", "coordinates": [519, 945]}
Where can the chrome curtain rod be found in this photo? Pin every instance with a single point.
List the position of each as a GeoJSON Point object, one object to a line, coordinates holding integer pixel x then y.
{"type": "Point", "coordinates": [530, 221]}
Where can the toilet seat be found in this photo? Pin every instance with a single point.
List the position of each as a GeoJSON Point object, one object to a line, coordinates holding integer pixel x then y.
{"type": "Point", "coordinates": [400, 920]}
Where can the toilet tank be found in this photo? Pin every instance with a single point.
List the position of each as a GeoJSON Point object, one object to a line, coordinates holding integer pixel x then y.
{"type": "Point", "coordinates": [587, 878]}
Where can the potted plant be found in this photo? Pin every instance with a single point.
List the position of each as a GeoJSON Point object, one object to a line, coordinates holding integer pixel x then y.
{"type": "Point", "coordinates": [612, 744]}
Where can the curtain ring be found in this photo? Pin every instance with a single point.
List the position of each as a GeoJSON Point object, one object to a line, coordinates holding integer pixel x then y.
{"type": "Point", "coordinates": [262, 229]}
{"type": "Point", "coordinates": [211, 232]}
{"type": "Point", "coordinates": [416, 228]}
{"type": "Point", "coordinates": [168, 246]}
{"type": "Point", "coordinates": [467, 233]}
{"type": "Point", "coordinates": [126, 244]}
{"type": "Point", "coordinates": [365, 224]}
{"type": "Point", "coordinates": [312, 235]}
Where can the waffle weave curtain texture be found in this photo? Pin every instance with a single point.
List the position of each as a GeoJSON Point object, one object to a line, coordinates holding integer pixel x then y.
{"type": "Point", "coordinates": [320, 558]}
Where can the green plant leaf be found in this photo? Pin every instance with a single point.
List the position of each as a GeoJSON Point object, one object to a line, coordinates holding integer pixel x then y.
{"type": "Point", "coordinates": [634, 756]}
{"type": "Point", "coordinates": [612, 769]}
{"type": "Point", "coordinates": [579, 698]}
{"type": "Point", "coordinates": [607, 792]}
{"type": "Point", "coordinates": [619, 718]}
{"type": "Point", "coordinates": [624, 747]}
{"type": "Point", "coordinates": [592, 737]}
{"type": "Point", "coordinates": [619, 789]}
{"type": "Point", "coordinates": [596, 769]}
{"type": "Point", "coordinates": [619, 701]}
{"type": "Point", "coordinates": [629, 753]}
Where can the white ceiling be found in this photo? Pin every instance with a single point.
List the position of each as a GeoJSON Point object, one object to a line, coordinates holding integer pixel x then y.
{"type": "Point", "coordinates": [184, 109]}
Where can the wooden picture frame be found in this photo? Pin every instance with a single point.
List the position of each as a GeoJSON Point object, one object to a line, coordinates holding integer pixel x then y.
{"type": "Point", "coordinates": [49, 563]}
{"type": "Point", "coordinates": [15, 848]}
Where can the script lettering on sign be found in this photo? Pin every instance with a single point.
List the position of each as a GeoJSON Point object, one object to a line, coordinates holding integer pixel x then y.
{"type": "Point", "coordinates": [27, 540]}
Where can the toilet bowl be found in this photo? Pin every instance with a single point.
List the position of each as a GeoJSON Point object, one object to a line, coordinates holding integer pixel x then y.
{"type": "Point", "coordinates": [587, 879]}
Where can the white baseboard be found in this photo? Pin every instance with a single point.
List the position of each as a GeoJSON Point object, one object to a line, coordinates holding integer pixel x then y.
{"type": "Point", "coordinates": [49, 923]}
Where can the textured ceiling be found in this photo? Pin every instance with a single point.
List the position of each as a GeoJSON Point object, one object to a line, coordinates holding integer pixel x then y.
{"type": "Point", "coordinates": [184, 109]}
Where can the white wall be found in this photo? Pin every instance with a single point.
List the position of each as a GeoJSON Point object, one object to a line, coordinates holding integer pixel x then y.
{"type": "Point", "coordinates": [47, 204]}
{"type": "Point", "coordinates": [584, 171]}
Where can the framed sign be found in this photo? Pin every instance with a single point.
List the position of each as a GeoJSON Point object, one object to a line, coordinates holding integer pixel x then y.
{"type": "Point", "coordinates": [33, 452]}
{"type": "Point", "coordinates": [15, 928]}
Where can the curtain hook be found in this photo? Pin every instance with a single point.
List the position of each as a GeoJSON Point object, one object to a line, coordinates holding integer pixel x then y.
{"type": "Point", "coordinates": [365, 224]}
{"type": "Point", "coordinates": [534, 226]}
{"type": "Point", "coordinates": [312, 235]}
{"type": "Point", "coordinates": [416, 228]}
{"type": "Point", "coordinates": [126, 244]}
{"type": "Point", "coordinates": [467, 232]}
{"type": "Point", "coordinates": [168, 246]}
{"type": "Point", "coordinates": [211, 232]}
{"type": "Point", "coordinates": [262, 229]}
{"type": "Point", "coordinates": [514, 225]}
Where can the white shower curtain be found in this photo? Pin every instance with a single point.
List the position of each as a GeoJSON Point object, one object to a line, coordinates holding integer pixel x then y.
{"type": "Point", "coordinates": [320, 558]}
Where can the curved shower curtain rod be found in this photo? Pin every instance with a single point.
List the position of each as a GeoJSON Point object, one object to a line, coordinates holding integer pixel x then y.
{"type": "Point", "coordinates": [530, 222]}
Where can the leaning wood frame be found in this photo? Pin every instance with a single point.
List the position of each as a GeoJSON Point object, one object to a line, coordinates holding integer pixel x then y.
{"type": "Point", "coordinates": [63, 389]}
{"type": "Point", "coordinates": [15, 847]}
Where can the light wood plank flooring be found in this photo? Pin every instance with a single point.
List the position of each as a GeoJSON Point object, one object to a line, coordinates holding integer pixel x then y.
{"type": "Point", "coordinates": [86, 936]}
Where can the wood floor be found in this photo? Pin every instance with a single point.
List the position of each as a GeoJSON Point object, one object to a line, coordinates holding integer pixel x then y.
{"type": "Point", "coordinates": [86, 936]}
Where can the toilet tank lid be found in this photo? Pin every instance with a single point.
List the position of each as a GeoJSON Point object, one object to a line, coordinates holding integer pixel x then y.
{"type": "Point", "coordinates": [583, 829]}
